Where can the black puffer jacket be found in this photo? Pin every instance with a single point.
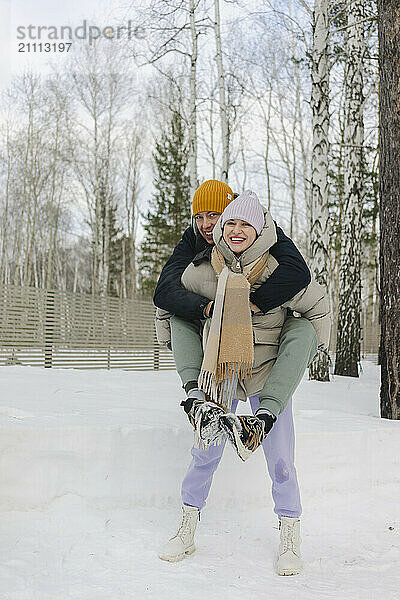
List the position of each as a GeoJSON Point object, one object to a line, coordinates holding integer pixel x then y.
{"type": "Point", "coordinates": [291, 276]}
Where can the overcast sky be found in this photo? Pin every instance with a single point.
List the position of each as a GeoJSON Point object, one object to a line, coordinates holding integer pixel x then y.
{"type": "Point", "coordinates": [22, 13]}
{"type": "Point", "coordinates": [16, 13]}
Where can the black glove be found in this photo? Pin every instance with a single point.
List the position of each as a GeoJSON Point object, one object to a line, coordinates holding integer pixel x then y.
{"type": "Point", "coordinates": [194, 399]}
{"type": "Point", "coordinates": [267, 418]}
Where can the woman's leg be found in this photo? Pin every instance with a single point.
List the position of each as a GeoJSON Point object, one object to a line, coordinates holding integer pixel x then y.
{"type": "Point", "coordinates": [278, 448]}
{"type": "Point", "coordinates": [297, 348]}
{"type": "Point", "coordinates": [197, 481]}
{"type": "Point", "coordinates": [188, 355]}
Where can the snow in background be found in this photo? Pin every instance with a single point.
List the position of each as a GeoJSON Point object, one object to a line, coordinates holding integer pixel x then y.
{"type": "Point", "coordinates": [90, 472]}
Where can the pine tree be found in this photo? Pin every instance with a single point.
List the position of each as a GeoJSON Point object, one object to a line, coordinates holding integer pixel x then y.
{"type": "Point", "coordinates": [169, 212]}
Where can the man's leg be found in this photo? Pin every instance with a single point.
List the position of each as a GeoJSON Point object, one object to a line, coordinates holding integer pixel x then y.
{"type": "Point", "coordinates": [187, 348]}
{"type": "Point", "coordinates": [297, 348]}
{"type": "Point", "coordinates": [278, 448]}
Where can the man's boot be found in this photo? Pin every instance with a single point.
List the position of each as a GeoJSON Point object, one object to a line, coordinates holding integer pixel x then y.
{"type": "Point", "coordinates": [289, 556]}
{"type": "Point", "coordinates": [182, 543]}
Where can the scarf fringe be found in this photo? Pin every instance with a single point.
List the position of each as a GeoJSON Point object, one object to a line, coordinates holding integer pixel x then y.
{"type": "Point", "coordinates": [209, 381]}
{"type": "Point", "coordinates": [222, 387]}
{"type": "Point", "coordinates": [239, 369]}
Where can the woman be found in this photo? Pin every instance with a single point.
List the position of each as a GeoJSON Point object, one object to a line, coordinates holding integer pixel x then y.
{"type": "Point", "coordinates": [240, 347]}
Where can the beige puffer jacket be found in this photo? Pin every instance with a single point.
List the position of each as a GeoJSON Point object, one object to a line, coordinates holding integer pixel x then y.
{"type": "Point", "coordinates": [311, 302]}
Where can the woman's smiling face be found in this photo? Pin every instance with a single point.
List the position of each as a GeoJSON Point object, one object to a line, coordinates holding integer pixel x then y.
{"type": "Point", "coordinates": [239, 235]}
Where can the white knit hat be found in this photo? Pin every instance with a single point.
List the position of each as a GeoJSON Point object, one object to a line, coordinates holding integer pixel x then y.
{"type": "Point", "coordinates": [245, 207]}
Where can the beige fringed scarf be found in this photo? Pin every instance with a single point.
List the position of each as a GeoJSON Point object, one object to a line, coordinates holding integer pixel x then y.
{"type": "Point", "coordinates": [229, 352]}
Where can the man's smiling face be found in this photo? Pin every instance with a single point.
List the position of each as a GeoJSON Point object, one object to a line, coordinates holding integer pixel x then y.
{"type": "Point", "coordinates": [205, 222]}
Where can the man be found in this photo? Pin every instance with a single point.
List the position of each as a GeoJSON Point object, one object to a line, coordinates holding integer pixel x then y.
{"type": "Point", "coordinates": [297, 348]}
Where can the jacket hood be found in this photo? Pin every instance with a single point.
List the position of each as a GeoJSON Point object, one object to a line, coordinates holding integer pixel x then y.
{"type": "Point", "coordinates": [263, 242]}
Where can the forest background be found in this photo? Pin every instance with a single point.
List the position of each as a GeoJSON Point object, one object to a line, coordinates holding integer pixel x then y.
{"type": "Point", "coordinates": [102, 147]}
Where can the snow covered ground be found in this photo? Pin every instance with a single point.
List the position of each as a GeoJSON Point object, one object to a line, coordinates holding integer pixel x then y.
{"type": "Point", "coordinates": [91, 464]}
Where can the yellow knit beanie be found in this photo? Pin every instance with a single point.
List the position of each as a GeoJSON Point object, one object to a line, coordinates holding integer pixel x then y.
{"type": "Point", "coordinates": [212, 195]}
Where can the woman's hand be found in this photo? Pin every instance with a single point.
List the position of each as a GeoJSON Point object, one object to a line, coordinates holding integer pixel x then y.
{"type": "Point", "coordinates": [254, 309]}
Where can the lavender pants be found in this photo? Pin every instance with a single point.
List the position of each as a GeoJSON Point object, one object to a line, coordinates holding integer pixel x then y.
{"type": "Point", "coordinates": [297, 347]}
{"type": "Point", "coordinates": [278, 448]}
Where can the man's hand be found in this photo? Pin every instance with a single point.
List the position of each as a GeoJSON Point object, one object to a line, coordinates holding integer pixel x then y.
{"type": "Point", "coordinates": [208, 308]}
{"type": "Point", "coordinates": [254, 308]}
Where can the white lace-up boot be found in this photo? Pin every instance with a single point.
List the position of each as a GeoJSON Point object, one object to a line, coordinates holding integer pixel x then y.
{"type": "Point", "coordinates": [182, 543]}
{"type": "Point", "coordinates": [289, 558]}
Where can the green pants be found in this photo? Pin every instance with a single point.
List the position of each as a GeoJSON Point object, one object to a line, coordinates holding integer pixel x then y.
{"type": "Point", "coordinates": [297, 348]}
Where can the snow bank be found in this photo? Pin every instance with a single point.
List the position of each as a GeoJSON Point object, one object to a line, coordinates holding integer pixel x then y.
{"type": "Point", "coordinates": [91, 465]}
{"type": "Point", "coordinates": [121, 439]}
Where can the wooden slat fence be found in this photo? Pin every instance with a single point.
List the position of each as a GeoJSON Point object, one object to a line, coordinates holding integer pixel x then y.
{"type": "Point", "coordinates": [62, 329]}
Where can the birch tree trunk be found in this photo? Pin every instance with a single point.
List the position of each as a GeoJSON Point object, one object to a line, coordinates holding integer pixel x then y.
{"type": "Point", "coordinates": [349, 328]}
{"type": "Point", "coordinates": [389, 141]}
{"type": "Point", "coordinates": [222, 100]}
{"type": "Point", "coordinates": [319, 243]}
{"type": "Point", "coordinates": [267, 119]}
{"type": "Point", "coordinates": [294, 225]}
{"type": "Point", "coordinates": [336, 242]}
{"type": "Point", "coordinates": [212, 148]}
{"type": "Point", "coordinates": [123, 292]}
{"type": "Point", "coordinates": [97, 213]}
{"type": "Point", "coordinates": [132, 170]}
{"type": "Point", "coordinates": [373, 272]}
{"type": "Point", "coordinates": [25, 204]}
{"type": "Point", "coordinates": [52, 210]}
{"type": "Point", "coordinates": [304, 147]}
{"type": "Point", "coordinates": [207, 131]}
{"type": "Point", "coordinates": [192, 134]}
{"type": "Point", "coordinates": [6, 200]}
